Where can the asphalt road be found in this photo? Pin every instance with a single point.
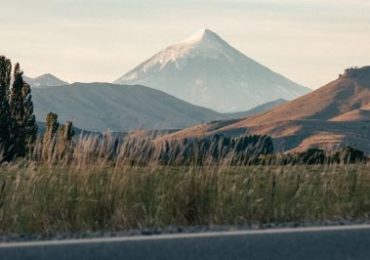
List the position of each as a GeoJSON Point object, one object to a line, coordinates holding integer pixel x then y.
{"type": "Point", "coordinates": [348, 242]}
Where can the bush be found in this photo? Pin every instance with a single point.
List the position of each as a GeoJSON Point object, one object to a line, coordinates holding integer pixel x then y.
{"type": "Point", "coordinates": [348, 155]}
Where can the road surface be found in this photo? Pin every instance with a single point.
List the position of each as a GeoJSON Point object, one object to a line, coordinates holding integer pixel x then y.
{"type": "Point", "coordinates": [346, 242]}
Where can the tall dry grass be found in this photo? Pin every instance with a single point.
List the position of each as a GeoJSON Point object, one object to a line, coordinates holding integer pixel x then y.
{"type": "Point", "coordinates": [44, 199]}
{"type": "Point", "coordinates": [94, 185]}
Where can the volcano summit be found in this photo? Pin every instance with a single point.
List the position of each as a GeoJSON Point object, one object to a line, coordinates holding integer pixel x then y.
{"type": "Point", "coordinates": [206, 71]}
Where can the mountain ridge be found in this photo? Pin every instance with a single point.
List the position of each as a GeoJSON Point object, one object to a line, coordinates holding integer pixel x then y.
{"type": "Point", "coordinates": [102, 106]}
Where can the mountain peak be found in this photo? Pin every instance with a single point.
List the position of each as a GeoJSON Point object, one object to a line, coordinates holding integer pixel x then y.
{"type": "Point", "coordinates": [204, 35]}
{"type": "Point", "coordinates": [46, 75]}
{"type": "Point", "coordinates": [207, 71]}
{"type": "Point", "coordinates": [44, 81]}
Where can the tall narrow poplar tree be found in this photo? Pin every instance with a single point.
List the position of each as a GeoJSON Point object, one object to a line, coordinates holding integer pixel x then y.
{"type": "Point", "coordinates": [5, 77]}
{"type": "Point", "coordinates": [17, 114]}
{"type": "Point", "coordinates": [23, 121]}
{"type": "Point", "coordinates": [52, 126]}
{"type": "Point", "coordinates": [30, 125]}
{"type": "Point", "coordinates": [67, 132]}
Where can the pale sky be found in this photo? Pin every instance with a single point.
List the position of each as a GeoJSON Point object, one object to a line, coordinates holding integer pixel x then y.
{"type": "Point", "coordinates": [308, 41]}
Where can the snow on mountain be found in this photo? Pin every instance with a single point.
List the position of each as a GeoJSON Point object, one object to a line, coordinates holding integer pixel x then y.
{"type": "Point", "coordinates": [205, 70]}
{"type": "Point", "coordinates": [45, 81]}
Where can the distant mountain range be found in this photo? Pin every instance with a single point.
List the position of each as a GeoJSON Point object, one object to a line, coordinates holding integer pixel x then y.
{"type": "Point", "coordinates": [102, 106]}
{"type": "Point", "coordinates": [45, 81]}
{"type": "Point", "coordinates": [335, 115]}
{"type": "Point", "coordinates": [206, 71]}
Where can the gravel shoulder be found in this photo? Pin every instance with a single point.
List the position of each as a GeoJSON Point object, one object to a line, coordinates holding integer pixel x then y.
{"type": "Point", "coordinates": [173, 230]}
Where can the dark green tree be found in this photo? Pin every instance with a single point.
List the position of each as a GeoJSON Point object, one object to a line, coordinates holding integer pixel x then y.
{"type": "Point", "coordinates": [30, 125]}
{"type": "Point", "coordinates": [17, 112]}
{"type": "Point", "coordinates": [5, 77]}
{"type": "Point", "coordinates": [67, 131]}
{"type": "Point", "coordinates": [50, 135]}
{"type": "Point", "coordinates": [65, 136]}
{"type": "Point", "coordinates": [23, 130]}
{"type": "Point", "coordinates": [52, 126]}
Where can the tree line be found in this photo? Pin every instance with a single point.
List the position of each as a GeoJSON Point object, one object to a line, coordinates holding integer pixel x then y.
{"type": "Point", "coordinates": [315, 156]}
{"type": "Point", "coordinates": [208, 150]}
{"type": "Point", "coordinates": [18, 127]}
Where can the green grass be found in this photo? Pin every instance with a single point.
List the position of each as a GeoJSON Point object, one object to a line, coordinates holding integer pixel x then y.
{"type": "Point", "coordinates": [47, 199]}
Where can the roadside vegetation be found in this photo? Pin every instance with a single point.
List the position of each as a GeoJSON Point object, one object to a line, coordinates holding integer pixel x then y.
{"type": "Point", "coordinates": [45, 199]}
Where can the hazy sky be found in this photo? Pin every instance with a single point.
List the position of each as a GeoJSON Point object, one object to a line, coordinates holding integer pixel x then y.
{"type": "Point", "coordinates": [309, 41]}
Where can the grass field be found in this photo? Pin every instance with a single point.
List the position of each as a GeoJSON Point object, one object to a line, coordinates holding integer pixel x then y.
{"type": "Point", "coordinates": [47, 199]}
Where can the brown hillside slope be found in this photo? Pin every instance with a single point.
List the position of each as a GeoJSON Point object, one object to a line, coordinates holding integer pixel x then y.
{"type": "Point", "coordinates": [332, 116]}
{"type": "Point", "coordinates": [349, 92]}
{"type": "Point", "coordinates": [362, 114]}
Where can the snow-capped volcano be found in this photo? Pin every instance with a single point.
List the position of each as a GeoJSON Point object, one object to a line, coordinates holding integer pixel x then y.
{"type": "Point", "coordinates": [205, 70]}
{"type": "Point", "coordinates": [45, 81]}
{"type": "Point", "coordinates": [205, 44]}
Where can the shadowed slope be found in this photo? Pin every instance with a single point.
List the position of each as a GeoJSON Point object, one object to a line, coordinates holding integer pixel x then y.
{"type": "Point", "coordinates": [101, 106]}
